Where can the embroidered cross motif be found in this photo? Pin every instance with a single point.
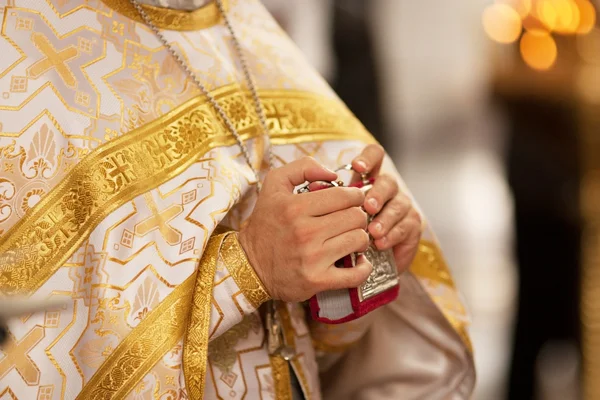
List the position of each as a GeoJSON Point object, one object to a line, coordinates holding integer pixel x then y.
{"type": "Point", "coordinates": [160, 221]}
{"type": "Point", "coordinates": [53, 60]}
{"type": "Point", "coordinates": [58, 225]}
{"type": "Point", "coordinates": [279, 117]}
{"type": "Point", "coordinates": [120, 169]}
{"type": "Point", "coordinates": [17, 357]}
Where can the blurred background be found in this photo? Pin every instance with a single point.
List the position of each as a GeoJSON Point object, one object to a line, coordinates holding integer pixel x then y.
{"type": "Point", "coordinates": [491, 109]}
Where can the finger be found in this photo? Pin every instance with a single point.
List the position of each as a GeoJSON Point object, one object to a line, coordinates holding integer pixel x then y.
{"type": "Point", "coordinates": [384, 189]}
{"type": "Point", "coordinates": [339, 222]}
{"type": "Point", "coordinates": [393, 212]}
{"type": "Point", "coordinates": [355, 241]}
{"type": "Point", "coordinates": [404, 253]}
{"type": "Point", "coordinates": [406, 228]}
{"type": "Point", "coordinates": [300, 171]}
{"type": "Point", "coordinates": [369, 161]}
{"type": "Point", "coordinates": [346, 278]}
{"type": "Point", "coordinates": [326, 201]}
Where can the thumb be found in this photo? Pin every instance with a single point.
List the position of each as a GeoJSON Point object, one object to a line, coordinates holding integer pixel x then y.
{"type": "Point", "coordinates": [346, 278]}
{"type": "Point", "coordinates": [300, 171]}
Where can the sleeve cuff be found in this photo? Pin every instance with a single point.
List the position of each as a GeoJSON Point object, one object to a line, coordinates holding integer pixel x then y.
{"type": "Point", "coordinates": [242, 272]}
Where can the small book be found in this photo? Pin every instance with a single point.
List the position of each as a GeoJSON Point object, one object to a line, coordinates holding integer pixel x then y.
{"type": "Point", "coordinates": [382, 286]}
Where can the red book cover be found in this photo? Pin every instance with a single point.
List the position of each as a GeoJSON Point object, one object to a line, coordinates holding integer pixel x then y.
{"type": "Point", "coordinates": [382, 286]}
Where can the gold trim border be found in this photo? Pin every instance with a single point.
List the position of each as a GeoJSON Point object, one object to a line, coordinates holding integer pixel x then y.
{"type": "Point", "coordinates": [242, 272]}
{"type": "Point", "coordinates": [124, 168]}
{"type": "Point", "coordinates": [195, 346]}
{"type": "Point", "coordinates": [142, 348]}
{"type": "Point", "coordinates": [159, 333]}
{"type": "Point", "coordinates": [429, 263]}
{"type": "Point", "coordinates": [168, 18]}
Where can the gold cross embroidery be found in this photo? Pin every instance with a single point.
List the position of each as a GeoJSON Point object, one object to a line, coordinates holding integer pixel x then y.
{"type": "Point", "coordinates": [58, 225]}
{"type": "Point", "coordinates": [17, 356]}
{"type": "Point", "coordinates": [53, 60]}
{"type": "Point", "coordinates": [280, 118]}
{"type": "Point", "coordinates": [160, 221]}
{"type": "Point", "coordinates": [120, 169]}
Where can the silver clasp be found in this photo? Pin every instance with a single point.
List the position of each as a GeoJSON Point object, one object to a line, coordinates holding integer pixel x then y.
{"type": "Point", "coordinates": [348, 167]}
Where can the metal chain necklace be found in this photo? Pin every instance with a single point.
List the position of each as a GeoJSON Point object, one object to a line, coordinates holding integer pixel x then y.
{"type": "Point", "coordinates": [275, 340]}
{"type": "Point", "coordinates": [260, 112]}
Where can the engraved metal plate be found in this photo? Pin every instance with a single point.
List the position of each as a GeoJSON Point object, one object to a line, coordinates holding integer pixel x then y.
{"type": "Point", "coordinates": [384, 274]}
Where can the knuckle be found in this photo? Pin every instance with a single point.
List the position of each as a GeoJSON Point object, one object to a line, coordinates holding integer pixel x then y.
{"type": "Point", "coordinates": [292, 210]}
{"type": "Point", "coordinates": [358, 216]}
{"type": "Point", "coordinates": [390, 183]}
{"type": "Point", "coordinates": [400, 234]}
{"type": "Point", "coordinates": [362, 240]}
{"type": "Point", "coordinates": [397, 206]}
{"type": "Point", "coordinates": [416, 216]}
{"type": "Point", "coordinates": [403, 197]}
{"type": "Point", "coordinates": [356, 196]}
{"type": "Point", "coordinates": [347, 196]}
{"type": "Point", "coordinates": [303, 233]}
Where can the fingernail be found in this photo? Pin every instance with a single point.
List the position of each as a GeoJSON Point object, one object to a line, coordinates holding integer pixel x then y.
{"type": "Point", "coordinates": [384, 240]}
{"type": "Point", "coordinates": [377, 226]}
{"type": "Point", "coordinates": [362, 164]}
{"type": "Point", "coordinates": [373, 202]}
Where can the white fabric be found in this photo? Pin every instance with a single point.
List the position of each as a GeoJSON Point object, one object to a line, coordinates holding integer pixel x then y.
{"type": "Point", "coordinates": [429, 363]}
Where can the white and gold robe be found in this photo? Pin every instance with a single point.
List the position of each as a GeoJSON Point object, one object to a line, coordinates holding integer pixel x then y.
{"type": "Point", "coordinates": [121, 191]}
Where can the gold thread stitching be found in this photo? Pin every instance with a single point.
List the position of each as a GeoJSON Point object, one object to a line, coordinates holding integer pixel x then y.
{"type": "Point", "coordinates": [167, 18]}
{"type": "Point", "coordinates": [143, 347]}
{"type": "Point", "coordinates": [242, 272]}
{"type": "Point", "coordinates": [195, 347]}
{"type": "Point", "coordinates": [429, 263]}
{"type": "Point", "coordinates": [118, 171]}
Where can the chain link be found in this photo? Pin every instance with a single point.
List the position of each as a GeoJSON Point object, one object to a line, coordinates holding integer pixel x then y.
{"type": "Point", "coordinates": [275, 337]}
{"type": "Point", "coordinates": [260, 112]}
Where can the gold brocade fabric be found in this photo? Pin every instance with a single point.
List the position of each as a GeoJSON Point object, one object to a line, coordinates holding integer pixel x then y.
{"type": "Point", "coordinates": [166, 18]}
{"type": "Point", "coordinates": [116, 182]}
{"type": "Point", "coordinates": [126, 167]}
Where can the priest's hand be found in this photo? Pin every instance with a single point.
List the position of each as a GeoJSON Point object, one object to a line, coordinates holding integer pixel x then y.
{"type": "Point", "coordinates": [292, 241]}
{"type": "Point", "coordinates": [397, 225]}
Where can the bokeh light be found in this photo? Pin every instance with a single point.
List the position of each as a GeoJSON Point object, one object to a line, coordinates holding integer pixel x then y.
{"type": "Point", "coordinates": [522, 7]}
{"type": "Point", "coordinates": [587, 16]}
{"type": "Point", "coordinates": [538, 49]}
{"type": "Point", "coordinates": [502, 23]}
{"type": "Point", "coordinates": [567, 13]}
{"type": "Point", "coordinates": [506, 20]}
{"type": "Point", "coordinates": [546, 12]}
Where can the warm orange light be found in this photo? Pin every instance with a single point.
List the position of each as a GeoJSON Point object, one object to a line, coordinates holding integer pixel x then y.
{"type": "Point", "coordinates": [538, 49]}
{"type": "Point", "coordinates": [567, 16]}
{"type": "Point", "coordinates": [502, 23]}
{"type": "Point", "coordinates": [546, 12]}
{"type": "Point", "coordinates": [522, 7]}
{"type": "Point", "coordinates": [587, 16]}
{"type": "Point", "coordinates": [531, 23]}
